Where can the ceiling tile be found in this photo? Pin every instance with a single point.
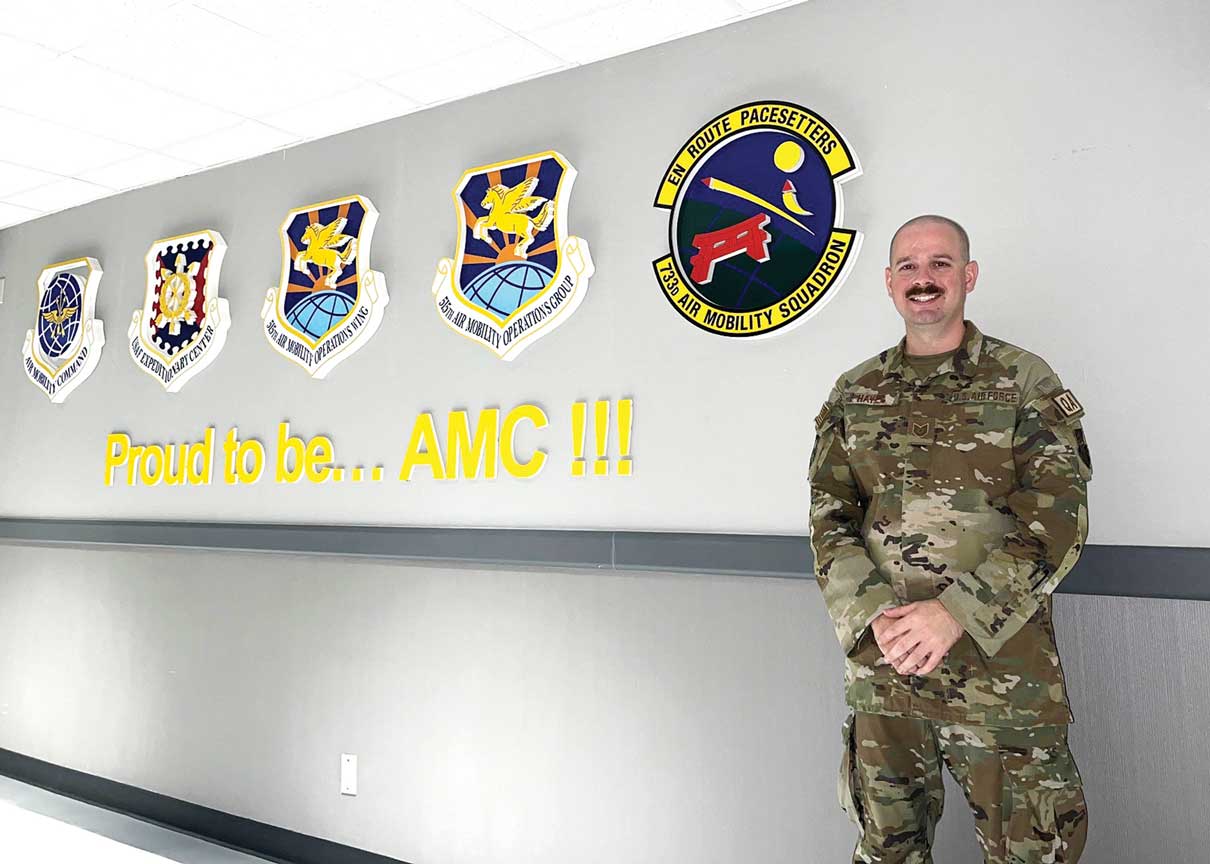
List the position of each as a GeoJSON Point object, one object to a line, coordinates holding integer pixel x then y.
{"type": "Point", "coordinates": [18, 178]}
{"type": "Point", "coordinates": [521, 15]}
{"type": "Point", "coordinates": [142, 170]}
{"type": "Point", "coordinates": [463, 75]}
{"type": "Point", "coordinates": [20, 61]}
{"type": "Point", "coordinates": [113, 106]}
{"type": "Point", "coordinates": [220, 63]}
{"type": "Point", "coordinates": [630, 26]}
{"type": "Point", "coordinates": [59, 195]}
{"type": "Point", "coordinates": [241, 141]}
{"type": "Point", "coordinates": [753, 6]}
{"type": "Point", "coordinates": [66, 24]}
{"type": "Point", "coordinates": [11, 214]}
{"type": "Point", "coordinates": [60, 148]}
{"type": "Point", "coordinates": [386, 36]}
{"type": "Point", "coordinates": [349, 110]}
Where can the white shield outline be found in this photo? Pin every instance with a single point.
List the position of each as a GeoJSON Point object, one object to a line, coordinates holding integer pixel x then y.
{"type": "Point", "coordinates": [574, 269]}
{"type": "Point", "coordinates": [176, 370]}
{"type": "Point", "coordinates": [58, 382]}
{"type": "Point", "coordinates": [319, 357]}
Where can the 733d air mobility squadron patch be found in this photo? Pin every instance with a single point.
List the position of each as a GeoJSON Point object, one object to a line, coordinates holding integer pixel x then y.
{"type": "Point", "coordinates": [755, 237]}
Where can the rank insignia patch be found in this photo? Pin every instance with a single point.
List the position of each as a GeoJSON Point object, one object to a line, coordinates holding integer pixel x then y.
{"type": "Point", "coordinates": [65, 344]}
{"type": "Point", "coordinates": [183, 324]}
{"type": "Point", "coordinates": [328, 302]}
{"type": "Point", "coordinates": [755, 230]}
{"type": "Point", "coordinates": [517, 275]}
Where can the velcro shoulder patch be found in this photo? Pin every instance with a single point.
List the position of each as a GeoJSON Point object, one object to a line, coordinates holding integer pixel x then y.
{"type": "Point", "coordinates": [825, 417]}
{"type": "Point", "coordinates": [1067, 405]}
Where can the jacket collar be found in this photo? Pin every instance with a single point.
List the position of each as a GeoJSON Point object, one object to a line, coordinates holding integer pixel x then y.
{"type": "Point", "coordinates": [964, 361]}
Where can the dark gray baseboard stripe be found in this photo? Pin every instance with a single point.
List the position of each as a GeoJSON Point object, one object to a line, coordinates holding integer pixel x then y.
{"type": "Point", "coordinates": [235, 832]}
{"type": "Point", "coordinates": [1170, 572]}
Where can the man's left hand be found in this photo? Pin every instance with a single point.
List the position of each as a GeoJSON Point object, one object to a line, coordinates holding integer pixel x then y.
{"type": "Point", "coordinates": [920, 635]}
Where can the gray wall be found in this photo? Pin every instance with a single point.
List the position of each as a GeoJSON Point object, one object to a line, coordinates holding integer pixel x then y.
{"type": "Point", "coordinates": [546, 716]}
{"type": "Point", "coordinates": [575, 716]}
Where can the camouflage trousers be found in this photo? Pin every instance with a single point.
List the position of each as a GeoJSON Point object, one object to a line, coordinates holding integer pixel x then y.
{"type": "Point", "coordinates": [1022, 786]}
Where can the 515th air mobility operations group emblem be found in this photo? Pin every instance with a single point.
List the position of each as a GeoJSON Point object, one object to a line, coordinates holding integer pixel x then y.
{"type": "Point", "coordinates": [755, 230]}
{"type": "Point", "coordinates": [328, 302]}
{"type": "Point", "coordinates": [65, 344]}
{"type": "Point", "coordinates": [517, 274]}
{"type": "Point", "coordinates": [183, 324]}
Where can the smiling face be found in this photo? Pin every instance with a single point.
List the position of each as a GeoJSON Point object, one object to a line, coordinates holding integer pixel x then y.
{"type": "Point", "coordinates": [929, 277]}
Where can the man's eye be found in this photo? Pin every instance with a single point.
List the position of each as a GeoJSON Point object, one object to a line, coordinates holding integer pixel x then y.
{"type": "Point", "coordinates": [941, 264]}
{"type": "Point", "coordinates": [906, 267]}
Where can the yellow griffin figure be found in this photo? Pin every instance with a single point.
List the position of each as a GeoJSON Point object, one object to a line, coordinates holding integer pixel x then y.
{"type": "Point", "coordinates": [322, 247]}
{"type": "Point", "coordinates": [506, 213]}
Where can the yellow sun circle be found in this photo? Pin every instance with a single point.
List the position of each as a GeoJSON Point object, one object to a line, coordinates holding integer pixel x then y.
{"type": "Point", "coordinates": [788, 156]}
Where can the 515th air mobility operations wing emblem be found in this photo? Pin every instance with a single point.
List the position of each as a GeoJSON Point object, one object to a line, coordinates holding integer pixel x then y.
{"type": "Point", "coordinates": [328, 302]}
{"type": "Point", "coordinates": [754, 234]}
{"type": "Point", "coordinates": [65, 344]}
{"type": "Point", "coordinates": [183, 324]}
{"type": "Point", "coordinates": [517, 275]}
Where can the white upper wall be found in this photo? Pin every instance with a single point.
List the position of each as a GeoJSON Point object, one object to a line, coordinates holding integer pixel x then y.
{"type": "Point", "coordinates": [1068, 138]}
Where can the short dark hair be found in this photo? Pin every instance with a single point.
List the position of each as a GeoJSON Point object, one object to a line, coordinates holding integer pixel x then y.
{"type": "Point", "coordinates": [964, 240]}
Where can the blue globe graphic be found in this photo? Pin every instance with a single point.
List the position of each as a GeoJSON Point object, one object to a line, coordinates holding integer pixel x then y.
{"type": "Point", "coordinates": [318, 313]}
{"type": "Point", "coordinates": [57, 333]}
{"type": "Point", "coordinates": [503, 289]}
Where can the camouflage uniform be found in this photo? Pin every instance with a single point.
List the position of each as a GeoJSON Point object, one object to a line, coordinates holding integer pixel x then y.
{"type": "Point", "coordinates": [967, 485]}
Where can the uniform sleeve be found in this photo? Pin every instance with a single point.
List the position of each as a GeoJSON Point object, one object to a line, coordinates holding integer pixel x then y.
{"type": "Point", "coordinates": [1050, 509]}
{"type": "Point", "coordinates": [853, 589]}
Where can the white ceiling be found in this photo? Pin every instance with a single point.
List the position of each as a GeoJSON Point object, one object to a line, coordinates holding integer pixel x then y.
{"type": "Point", "coordinates": [100, 96]}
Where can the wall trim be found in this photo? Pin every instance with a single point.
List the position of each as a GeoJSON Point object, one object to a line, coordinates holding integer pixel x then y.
{"type": "Point", "coordinates": [235, 832]}
{"type": "Point", "coordinates": [1169, 572]}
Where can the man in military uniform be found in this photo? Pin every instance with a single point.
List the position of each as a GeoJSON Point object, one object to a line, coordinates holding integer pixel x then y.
{"type": "Point", "coordinates": [948, 499]}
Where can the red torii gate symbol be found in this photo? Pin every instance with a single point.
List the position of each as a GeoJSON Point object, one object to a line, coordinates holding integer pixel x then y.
{"type": "Point", "coordinates": [747, 237]}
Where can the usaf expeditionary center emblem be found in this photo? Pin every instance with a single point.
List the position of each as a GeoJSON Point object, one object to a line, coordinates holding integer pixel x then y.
{"type": "Point", "coordinates": [516, 275]}
{"type": "Point", "coordinates": [754, 234]}
{"type": "Point", "coordinates": [328, 302]}
{"type": "Point", "coordinates": [65, 344]}
{"type": "Point", "coordinates": [183, 324]}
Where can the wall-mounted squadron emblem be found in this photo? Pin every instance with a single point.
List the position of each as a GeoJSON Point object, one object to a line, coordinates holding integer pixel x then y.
{"type": "Point", "coordinates": [517, 274]}
{"type": "Point", "coordinates": [328, 302]}
{"type": "Point", "coordinates": [756, 208]}
{"type": "Point", "coordinates": [66, 342]}
{"type": "Point", "coordinates": [183, 324]}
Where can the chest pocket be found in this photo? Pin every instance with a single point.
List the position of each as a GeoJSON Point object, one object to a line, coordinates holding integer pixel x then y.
{"type": "Point", "coordinates": [873, 426]}
{"type": "Point", "coordinates": [974, 440]}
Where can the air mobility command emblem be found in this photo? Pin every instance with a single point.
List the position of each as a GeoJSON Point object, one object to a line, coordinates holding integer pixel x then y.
{"type": "Point", "coordinates": [517, 275]}
{"type": "Point", "coordinates": [65, 344]}
{"type": "Point", "coordinates": [183, 324]}
{"type": "Point", "coordinates": [328, 302]}
{"type": "Point", "coordinates": [755, 231]}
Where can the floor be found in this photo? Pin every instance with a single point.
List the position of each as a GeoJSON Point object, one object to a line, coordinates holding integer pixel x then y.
{"type": "Point", "coordinates": [40, 827]}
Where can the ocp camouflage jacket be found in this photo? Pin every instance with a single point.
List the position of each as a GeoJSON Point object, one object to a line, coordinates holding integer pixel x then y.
{"type": "Point", "coordinates": [968, 486]}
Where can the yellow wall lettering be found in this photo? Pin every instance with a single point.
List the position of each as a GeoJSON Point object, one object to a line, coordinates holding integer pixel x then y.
{"type": "Point", "coordinates": [117, 451]}
{"type": "Point", "coordinates": [508, 454]}
{"type": "Point", "coordinates": [424, 434]}
{"type": "Point", "coordinates": [465, 459]}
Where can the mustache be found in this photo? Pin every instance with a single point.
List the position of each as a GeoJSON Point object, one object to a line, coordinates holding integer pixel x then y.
{"type": "Point", "coordinates": [917, 290]}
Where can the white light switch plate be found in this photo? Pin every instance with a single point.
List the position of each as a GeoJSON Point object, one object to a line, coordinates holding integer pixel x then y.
{"type": "Point", "coordinates": [348, 774]}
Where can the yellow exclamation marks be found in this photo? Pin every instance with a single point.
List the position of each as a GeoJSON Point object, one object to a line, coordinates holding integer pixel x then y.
{"type": "Point", "coordinates": [600, 465]}
{"type": "Point", "coordinates": [625, 418]}
{"type": "Point", "coordinates": [579, 415]}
